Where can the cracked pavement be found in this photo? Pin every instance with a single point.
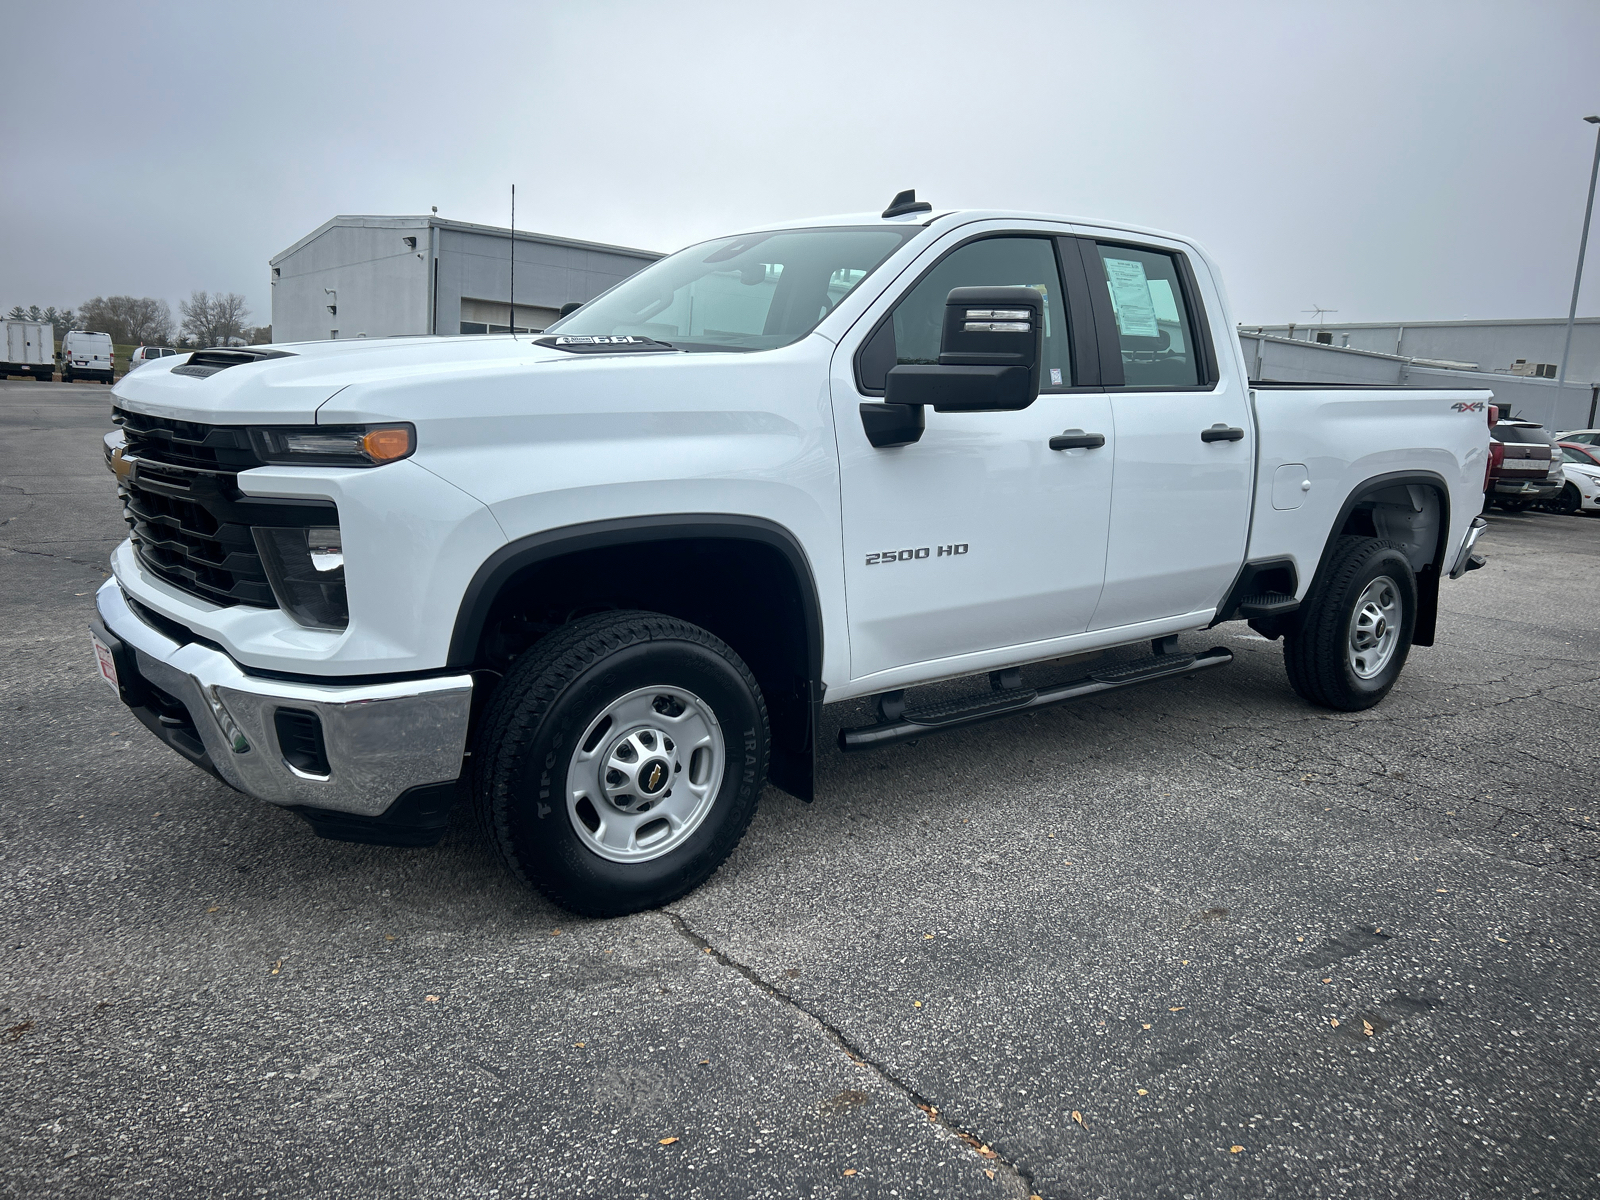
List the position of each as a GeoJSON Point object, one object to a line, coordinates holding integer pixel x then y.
{"type": "Point", "coordinates": [1194, 940]}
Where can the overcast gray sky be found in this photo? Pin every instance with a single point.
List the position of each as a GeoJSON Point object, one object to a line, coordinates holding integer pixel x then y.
{"type": "Point", "coordinates": [1391, 160]}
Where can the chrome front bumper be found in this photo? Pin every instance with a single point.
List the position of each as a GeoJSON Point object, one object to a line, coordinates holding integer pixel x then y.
{"type": "Point", "coordinates": [381, 738]}
{"type": "Point", "coordinates": [1463, 559]}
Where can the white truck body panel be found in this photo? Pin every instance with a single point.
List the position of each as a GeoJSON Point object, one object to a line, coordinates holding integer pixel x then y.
{"type": "Point", "coordinates": [1067, 551]}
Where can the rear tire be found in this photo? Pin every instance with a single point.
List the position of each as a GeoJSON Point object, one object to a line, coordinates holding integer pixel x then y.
{"type": "Point", "coordinates": [586, 740]}
{"type": "Point", "coordinates": [1355, 629]}
{"type": "Point", "coordinates": [1514, 506]}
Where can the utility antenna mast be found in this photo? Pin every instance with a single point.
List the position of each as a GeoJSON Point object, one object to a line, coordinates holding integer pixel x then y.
{"type": "Point", "coordinates": [1318, 311]}
{"type": "Point", "coordinates": [512, 323]}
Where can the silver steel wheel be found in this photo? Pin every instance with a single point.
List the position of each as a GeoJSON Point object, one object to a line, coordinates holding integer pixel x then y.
{"type": "Point", "coordinates": [1375, 627]}
{"type": "Point", "coordinates": [645, 774]}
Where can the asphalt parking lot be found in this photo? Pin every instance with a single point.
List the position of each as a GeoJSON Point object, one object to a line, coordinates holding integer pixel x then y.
{"type": "Point", "coordinates": [1189, 941]}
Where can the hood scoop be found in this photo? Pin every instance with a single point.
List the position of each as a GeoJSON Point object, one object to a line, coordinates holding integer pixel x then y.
{"type": "Point", "coordinates": [604, 344]}
{"type": "Point", "coordinates": [205, 363]}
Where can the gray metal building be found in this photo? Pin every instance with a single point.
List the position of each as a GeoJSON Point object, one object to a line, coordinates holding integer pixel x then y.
{"type": "Point", "coordinates": [381, 276]}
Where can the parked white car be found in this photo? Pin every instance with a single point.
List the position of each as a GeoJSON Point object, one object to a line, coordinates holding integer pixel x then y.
{"type": "Point", "coordinates": [1581, 463]}
{"type": "Point", "coordinates": [627, 562]}
{"type": "Point", "coordinates": [1589, 437]}
{"type": "Point", "coordinates": [146, 354]}
{"type": "Point", "coordinates": [86, 356]}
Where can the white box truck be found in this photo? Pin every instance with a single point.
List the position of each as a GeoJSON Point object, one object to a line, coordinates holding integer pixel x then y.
{"type": "Point", "coordinates": [30, 349]}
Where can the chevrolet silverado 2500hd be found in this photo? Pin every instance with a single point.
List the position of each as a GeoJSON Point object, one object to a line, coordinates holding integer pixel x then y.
{"type": "Point", "coordinates": [611, 574]}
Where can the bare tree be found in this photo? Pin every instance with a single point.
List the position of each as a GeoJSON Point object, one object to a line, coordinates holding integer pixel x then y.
{"type": "Point", "coordinates": [149, 321]}
{"type": "Point", "coordinates": [130, 320]}
{"type": "Point", "coordinates": [211, 320]}
{"type": "Point", "coordinates": [229, 313]}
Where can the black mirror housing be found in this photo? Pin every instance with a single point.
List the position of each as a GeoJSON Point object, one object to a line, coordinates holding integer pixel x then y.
{"type": "Point", "coordinates": [989, 354]}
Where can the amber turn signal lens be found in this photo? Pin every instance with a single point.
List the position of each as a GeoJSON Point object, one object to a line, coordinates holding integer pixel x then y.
{"type": "Point", "coordinates": [386, 445]}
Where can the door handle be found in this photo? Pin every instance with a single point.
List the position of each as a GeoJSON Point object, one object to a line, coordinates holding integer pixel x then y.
{"type": "Point", "coordinates": [1221, 433]}
{"type": "Point", "coordinates": [1077, 439]}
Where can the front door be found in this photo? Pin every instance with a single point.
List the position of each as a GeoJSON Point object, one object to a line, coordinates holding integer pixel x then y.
{"type": "Point", "coordinates": [979, 536]}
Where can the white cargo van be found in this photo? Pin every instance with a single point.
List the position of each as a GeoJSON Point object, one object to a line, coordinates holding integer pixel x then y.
{"type": "Point", "coordinates": [86, 356]}
{"type": "Point", "coordinates": [30, 349]}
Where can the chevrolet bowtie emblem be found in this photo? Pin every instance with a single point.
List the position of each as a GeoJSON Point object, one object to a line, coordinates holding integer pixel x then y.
{"type": "Point", "coordinates": [655, 777]}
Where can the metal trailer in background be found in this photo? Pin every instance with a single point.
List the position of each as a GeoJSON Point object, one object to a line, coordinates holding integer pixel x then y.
{"type": "Point", "coordinates": [1292, 360]}
{"type": "Point", "coordinates": [30, 349]}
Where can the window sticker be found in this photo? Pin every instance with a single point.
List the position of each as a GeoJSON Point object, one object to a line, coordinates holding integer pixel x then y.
{"type": "Point", "coordinates": [1055, 376]}
{"type": "Point", "coordinates": [1130, 298]}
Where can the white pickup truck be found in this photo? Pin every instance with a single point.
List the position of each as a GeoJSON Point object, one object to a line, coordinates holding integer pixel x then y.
{"type": "Point", "coordinates": [608, 576]}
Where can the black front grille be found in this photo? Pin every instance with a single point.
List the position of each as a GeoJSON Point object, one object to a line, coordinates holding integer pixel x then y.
{"type": "Point", "coordinates": [191, 524]}
{"type": "Point", "coordinates": [185, 443]}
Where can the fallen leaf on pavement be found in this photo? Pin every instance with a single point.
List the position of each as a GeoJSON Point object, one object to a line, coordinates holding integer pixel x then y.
{"type": "Point", "coordinates": [668, 1141]}
{"type": "Point", "coordinates": [1334, 1021]}
{"type": "Point", "coordinates": [431, 999]}
{"type": "Point", "coordinates": [1234, 1149]}
{"type": "Point", "coordinates": [988, 1172]}
{"type": "Point", "coordinates": [277, 966]}
{"type": "Point", "coordinates": [1366, 1027]}
{"type": "Point", "coordinates": [1147, 1027]}
{"type": "Point", "coordinates": [1180, 1008]}
{"type": "Point", "coordinates": [916, 1004]}
{"type": "Point", "coordinates": [1144, 1091]}
{"type": "Point", "coordinates": [849, 1170]}
{"type": "Point", "coordinates": [1078, 1117]}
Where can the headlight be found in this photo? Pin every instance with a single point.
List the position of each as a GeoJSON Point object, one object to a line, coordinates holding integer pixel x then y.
{"type": "Point", "coordinates": [306, 569]}
{"type": "Point", "coordinates": [334, 445]}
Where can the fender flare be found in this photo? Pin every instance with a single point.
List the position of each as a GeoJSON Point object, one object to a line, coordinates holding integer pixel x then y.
{"type": "Point", "coordinates": [525, 552]}
{"type": "Point", "coordinates": [1428, 577]}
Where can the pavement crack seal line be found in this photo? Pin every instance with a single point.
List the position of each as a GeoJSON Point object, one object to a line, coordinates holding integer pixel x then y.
{"type": "Point", "coordinates": [856, 1055]}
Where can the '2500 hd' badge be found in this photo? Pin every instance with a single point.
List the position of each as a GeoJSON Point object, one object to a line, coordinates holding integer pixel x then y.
{"type": "Point", "coordinates": [893, 556]}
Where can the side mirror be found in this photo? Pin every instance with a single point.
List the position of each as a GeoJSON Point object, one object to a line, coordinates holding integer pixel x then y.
{"type": "Point", "coordinates": [989, 354]}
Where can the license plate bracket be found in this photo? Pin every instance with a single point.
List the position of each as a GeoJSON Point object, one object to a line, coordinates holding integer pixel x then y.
{"type": "Point", "coordinates": [106, 662]}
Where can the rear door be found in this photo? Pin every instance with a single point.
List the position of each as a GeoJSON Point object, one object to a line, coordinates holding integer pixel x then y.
{"type": "Point", "coordinates": [1185, 443]}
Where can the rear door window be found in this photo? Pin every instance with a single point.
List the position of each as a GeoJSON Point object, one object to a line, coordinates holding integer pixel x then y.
{"type": "Point", "coordinates": [1155, 329]}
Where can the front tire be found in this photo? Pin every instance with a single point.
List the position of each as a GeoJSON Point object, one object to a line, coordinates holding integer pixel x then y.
{"type": "Point", "coordinates": [1568, 502]}
{"type": "Point", "coordinates": [620, 761]}
{"type": "Point", "coordinates": [1355, 629]}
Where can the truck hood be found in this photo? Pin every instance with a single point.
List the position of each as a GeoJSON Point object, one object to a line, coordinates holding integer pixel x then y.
{"type": "Point", "coordinates": [291, 382]}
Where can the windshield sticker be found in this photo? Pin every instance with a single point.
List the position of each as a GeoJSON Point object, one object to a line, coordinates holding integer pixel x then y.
{"type": "Point", "coordinates": [1130, 298]}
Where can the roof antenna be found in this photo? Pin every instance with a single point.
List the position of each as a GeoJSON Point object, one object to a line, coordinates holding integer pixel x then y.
{"type": "Point", "coordinates": [906, 202]}
{"type": "Point", "coordinates": [513, 262]}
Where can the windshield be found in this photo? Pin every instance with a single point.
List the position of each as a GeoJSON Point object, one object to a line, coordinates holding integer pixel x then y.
{"type": "Point", "coordinates": [756, 291]}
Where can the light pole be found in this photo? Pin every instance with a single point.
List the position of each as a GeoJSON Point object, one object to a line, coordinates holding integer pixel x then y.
{"type": "Point", "coordinates": [1583, 244]}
